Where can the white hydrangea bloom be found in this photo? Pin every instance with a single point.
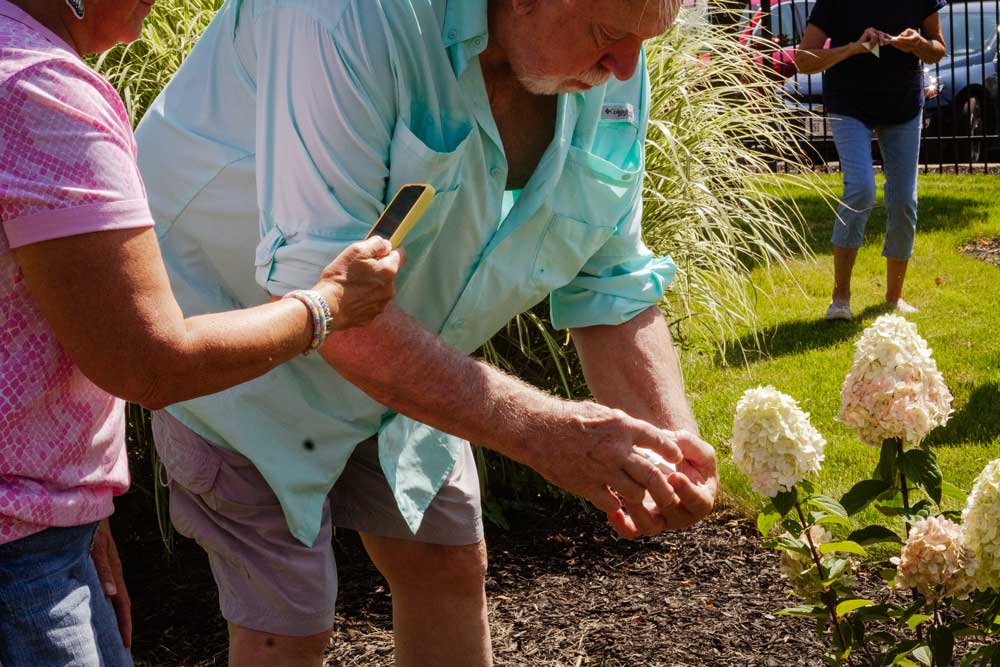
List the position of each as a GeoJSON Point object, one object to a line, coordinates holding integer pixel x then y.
{"type": "Point", "coordinates": [894, 389]}
{"type": "Point", "coordinates": [981, 525]}
{"type": "Point", "coordinates": [936, 561]}
{"type": "Point", "coordinates": [773, 442]}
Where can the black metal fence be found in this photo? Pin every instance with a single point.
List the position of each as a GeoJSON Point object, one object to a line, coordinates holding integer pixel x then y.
{"type": "Point", "coordinates": [962, 96]}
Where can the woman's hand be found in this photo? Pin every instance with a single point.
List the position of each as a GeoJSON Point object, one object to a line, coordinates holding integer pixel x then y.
{"type": "Point", "coordinates": [870, 38]}
{"type": "Point", "coordinates": [359, 283]}
{"type": "Point", "coordinates": [109, 573]}
{"type": "Point", "coordinates": [909, 41]}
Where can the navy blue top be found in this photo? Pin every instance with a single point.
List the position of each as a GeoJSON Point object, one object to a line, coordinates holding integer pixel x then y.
{"type": "Point", "coordinates": [884, 90]}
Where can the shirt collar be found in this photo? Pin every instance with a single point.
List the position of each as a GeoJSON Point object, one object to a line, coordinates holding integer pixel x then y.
{"type": "Point", "coordinates": [15, 13]}
{"type": "Point", "coordinates": [465, 32]}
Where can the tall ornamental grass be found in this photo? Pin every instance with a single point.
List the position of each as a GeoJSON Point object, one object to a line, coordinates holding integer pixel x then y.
{"type": "Point", "coordinates": [140, 70]}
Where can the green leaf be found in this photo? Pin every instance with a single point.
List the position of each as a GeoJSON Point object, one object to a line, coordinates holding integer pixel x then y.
{"type": "Point", "coordinates": [886, 468]}
{"type": "Point", "coordinates": [785, 501]}
{"type": "Point", "coordinates": [953, 492]}
{"type": "Point", "coordinates": [921, 467]}
{"type": "Point", "coordinates": [815, 612]}
{"type": "Point", "coordinates": [900, 650]}
{"type": "Point", "coordinates": [828, 504]}
{"type": "Point", "coordinates": [903, 661]}
{"type": "Point", "coordinates": [845, 546]}
{"type": "Point", "coordinates": [923, 655]}
{"type": "Point", "coordinates": [917, 511]}
{"type": "Point", "coordinates": [913, 621]}
{"type": "Point", "coordinates": [766, 521]}
{"type": "Point", "coordinates": [942, 644]}
{"type": "Point", "coordinates": [862, 493]}
{"type": "Point", "coordinates": [832, 520]}
{"type": "Point", "coordinates": [873, 535]}
{"type": "Point", "coordinates": [847, 606]}
{"type": "Point", "coordinates": [835, 568]}
{"type": "Point", "coordinates": [788, 543]}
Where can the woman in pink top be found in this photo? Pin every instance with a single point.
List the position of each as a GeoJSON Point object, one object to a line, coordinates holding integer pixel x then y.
{"type": "Point", "coordinates": [88, 319]}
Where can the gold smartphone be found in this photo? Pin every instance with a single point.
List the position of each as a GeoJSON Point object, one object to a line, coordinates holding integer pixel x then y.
{"type": "Point", "coordinates": [402, 213]}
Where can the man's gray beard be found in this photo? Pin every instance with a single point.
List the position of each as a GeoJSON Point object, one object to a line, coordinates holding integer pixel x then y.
{"type": "Point", "coordinates": [538, 84]}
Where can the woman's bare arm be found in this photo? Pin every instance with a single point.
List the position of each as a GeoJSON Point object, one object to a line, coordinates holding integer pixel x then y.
{"type": "Point", "coordinates": [107, 297]}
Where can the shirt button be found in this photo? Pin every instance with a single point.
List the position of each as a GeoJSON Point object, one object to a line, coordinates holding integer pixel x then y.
{"type": "Point", "coordinates": [478, 41]}
{"type": "Point", "coordinates": [626, 177]}
{"type": "Point", "coordinates": [452, 34]}
{"type": "Point", "coordinates": [495, 172]}
{"type": "Point", "coordinates": [458, 324]}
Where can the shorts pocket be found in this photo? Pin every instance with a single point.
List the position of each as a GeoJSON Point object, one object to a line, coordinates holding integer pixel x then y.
{"type": "Point", "coordinates": [188, 459]}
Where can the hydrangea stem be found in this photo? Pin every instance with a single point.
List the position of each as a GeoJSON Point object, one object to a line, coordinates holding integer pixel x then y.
{"type": "Point", "coordinates": [904, 489]}
{"type": "Point", "coordinates": [814, 552]}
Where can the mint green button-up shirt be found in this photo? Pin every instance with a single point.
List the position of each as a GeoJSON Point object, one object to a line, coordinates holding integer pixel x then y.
{"type": "Point", "coordinates": [279, 142]}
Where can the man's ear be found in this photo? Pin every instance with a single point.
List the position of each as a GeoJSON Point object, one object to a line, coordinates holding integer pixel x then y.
{"type": "Point", "coordinates": [524, 7]}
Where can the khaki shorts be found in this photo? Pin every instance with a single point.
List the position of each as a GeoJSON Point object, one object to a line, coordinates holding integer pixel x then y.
{"type": "Point", "coordinates": [268, 580]}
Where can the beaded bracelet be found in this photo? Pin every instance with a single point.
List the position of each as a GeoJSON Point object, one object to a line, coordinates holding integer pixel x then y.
{"type": "Point", "coordinates": [319, 311]}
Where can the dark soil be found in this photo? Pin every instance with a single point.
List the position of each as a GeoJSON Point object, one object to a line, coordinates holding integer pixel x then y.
{"type": "Point", "coordinates": [987, 250]}
{"type": "Point", "coordinates": [562, 592]}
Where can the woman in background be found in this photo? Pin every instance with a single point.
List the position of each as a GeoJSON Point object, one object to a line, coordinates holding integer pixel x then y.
{"type": "Point", "coordinates": [88, 319]}
{"type": "Point", "coordinates": [873, 86]}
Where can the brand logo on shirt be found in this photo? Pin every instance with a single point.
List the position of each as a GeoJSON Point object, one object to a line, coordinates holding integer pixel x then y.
{"type": "Point", "coordinates": [618, 112]}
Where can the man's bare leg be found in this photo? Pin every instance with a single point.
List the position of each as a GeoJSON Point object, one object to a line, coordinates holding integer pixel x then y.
{"type": "Point", "coordinates": [251, 648]}
{"type": "Point", "coordinates": [438, 601]}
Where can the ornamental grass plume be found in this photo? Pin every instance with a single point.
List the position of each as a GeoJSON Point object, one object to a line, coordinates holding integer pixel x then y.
{"type": "Point", "coordinates": [981, 526]}
{"type": "Point", "coordinates": [894, 389]}
{"type": "Point", "coordinates": [935, 561]}
{"type": "Point", "coordinates": [773, 442]}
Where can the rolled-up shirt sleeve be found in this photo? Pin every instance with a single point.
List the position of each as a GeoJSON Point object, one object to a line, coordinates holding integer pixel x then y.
{"type": "Point", "coordinates": [325, 114]}
{"type": "Point", "coordinates": [620, 280]}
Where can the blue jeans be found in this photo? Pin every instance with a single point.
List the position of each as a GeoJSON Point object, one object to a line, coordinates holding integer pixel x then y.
{"type": "Point", "coordinates": [53, 611]}
{"type": "Point", "coordinates": [900, 147]}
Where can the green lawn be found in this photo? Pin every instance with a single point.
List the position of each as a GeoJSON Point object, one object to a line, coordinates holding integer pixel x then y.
{"type": "Point", "coordinates": [808, 358]}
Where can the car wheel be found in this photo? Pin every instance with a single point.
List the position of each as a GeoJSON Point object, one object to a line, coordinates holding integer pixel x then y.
{"type": "Point", "coordinates": [971, 125]}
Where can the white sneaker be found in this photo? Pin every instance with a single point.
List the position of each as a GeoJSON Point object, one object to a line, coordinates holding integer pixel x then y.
{"type": "Point", "coordinates": [839, 311]}
{"type": "Point", "coordinates": [902, 307]}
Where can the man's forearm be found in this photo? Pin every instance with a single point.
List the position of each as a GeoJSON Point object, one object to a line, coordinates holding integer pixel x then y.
{"type": "Point", "coordinates": [405, 367]}
{"type": "Point", "coordinates": [634, 367]}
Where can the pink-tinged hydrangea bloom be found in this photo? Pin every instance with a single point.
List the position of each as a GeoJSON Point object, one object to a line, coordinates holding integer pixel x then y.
{"type": "Point", "coordinates": [894, 389]}
{"type": "Point", "coordinates": [935, 560]}
{"type": "Point", "coordinates": [773, 442]}
{"type": "Point", "coordinates": [981, 526]}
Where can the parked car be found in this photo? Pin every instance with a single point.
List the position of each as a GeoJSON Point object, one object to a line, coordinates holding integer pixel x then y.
{"type": "Point", "coordinates": [962, 102]}
{"type": "Point", "coordinates": [784, 29]}
{"type": "Point", "coordinates": [961, 91]}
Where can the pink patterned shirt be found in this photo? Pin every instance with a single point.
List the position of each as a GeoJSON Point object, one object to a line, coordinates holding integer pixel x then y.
{"type": "Point", "coordinates": [67, 167]}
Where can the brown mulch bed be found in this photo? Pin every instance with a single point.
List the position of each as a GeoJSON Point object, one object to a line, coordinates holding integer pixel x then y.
{"type": "Point", "coordinates": [987, 250]}
{"type": "Point", "coordinates": [562, 592]}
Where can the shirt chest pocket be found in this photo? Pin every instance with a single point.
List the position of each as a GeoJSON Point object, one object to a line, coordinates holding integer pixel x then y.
{"type": "Point", "coordinates": [412, 160]}
{"type": "Point", "coordinates": [592, 197]}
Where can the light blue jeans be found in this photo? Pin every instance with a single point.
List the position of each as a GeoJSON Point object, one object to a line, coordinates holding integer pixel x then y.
{"type": "Point", "coordinates": [900, 147]}
{"type": "Point", "coordinates": [53, 612]}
